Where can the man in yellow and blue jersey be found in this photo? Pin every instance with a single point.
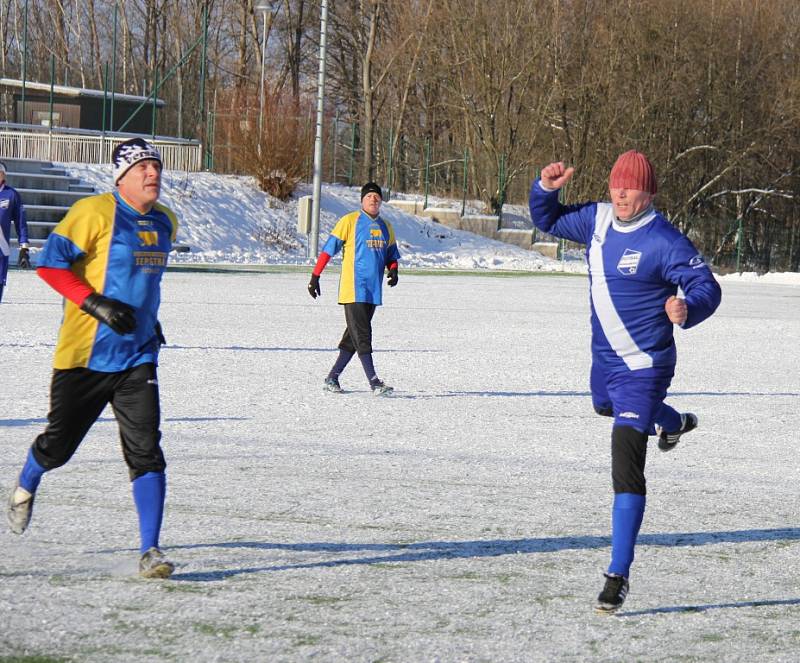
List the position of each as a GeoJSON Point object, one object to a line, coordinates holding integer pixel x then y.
{"type": "Point", "coordinates": [369, 248]}
{"type": "Point", "coordinates": [106, 258]}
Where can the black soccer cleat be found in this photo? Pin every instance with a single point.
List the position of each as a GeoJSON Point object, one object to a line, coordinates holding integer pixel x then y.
{"type": "Point", "coordinates": [668, 441]}
{"type": "Point", "coordinates": [613, 595]}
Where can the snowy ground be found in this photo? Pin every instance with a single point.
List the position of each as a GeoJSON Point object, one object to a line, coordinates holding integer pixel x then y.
{"type": "Point", "coordinates": [464, 519]}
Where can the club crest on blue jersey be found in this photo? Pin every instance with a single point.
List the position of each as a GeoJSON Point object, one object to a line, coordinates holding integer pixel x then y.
{"type": "Point", "coordinates": [629, 262]}
{"type": "Point", "coordinates": [148, 237]}
{"type": "Point", "coordinates": [4, 203]}
{"type": "Point", "coordinates": [697, 262]}
{"type": "Point", "coordinates": [376, 240]}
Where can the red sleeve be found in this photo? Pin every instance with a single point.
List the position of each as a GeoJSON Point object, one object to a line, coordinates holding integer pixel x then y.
{"type": "Point", "coordinates": [392, 265]}
{"type": "Point", "coordinates": [321, 262]}
{"type": "Point", "coordinates": [64, 282]}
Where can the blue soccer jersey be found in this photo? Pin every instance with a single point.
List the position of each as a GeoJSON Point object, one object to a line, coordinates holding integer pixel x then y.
{"type": "Point", "coordinates": [368, 246]}
{"type": "Point", "coordinates": [11, 210]}
{"type": "Point", "coordinates": [121, 254]}
{"type": "Point", "coordinates": [633, 269]}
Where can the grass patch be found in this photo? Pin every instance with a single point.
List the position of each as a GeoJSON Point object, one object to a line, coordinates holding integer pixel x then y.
{"type": "Point", "coordinates": [32, 659]}
{"type": "Point", "coordinates": [386, 566]}
{"type": "Point", "coordinates": [184, 588]}
{"type": "Point", "coordinates": [712, 637]}
{"type": "Point", "coordinates": [215, 630]}
{"type": "Point", "coordinates": [507, 578]}
{"type": "Point", "coordinates": [307, 640]}
{"type": "Point", "coordinates": [318, 599]}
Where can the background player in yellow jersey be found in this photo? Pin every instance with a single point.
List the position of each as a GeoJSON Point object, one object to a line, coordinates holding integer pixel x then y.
{"type": "Point", "coordinates": [106, 257]}
{"type": "Point", "coordinates": [369, 248]}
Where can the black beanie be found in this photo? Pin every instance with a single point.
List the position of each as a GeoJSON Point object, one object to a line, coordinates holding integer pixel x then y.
{"type": "Point", "coordinates": [371, 187]}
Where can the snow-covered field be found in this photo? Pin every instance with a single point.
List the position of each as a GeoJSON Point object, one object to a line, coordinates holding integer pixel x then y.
{"type": "Point", "coordinates": [464, 519]}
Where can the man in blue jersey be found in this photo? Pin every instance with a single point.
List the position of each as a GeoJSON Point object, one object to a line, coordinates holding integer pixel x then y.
{"type": "Point", "coordinates": [637, 262]}
{"type": "Point", "coordinates": [11, 210]}
{"type": "Point", "coordinates": [106, 258]}
{"type": "Point", "coordinates": [369, 248]}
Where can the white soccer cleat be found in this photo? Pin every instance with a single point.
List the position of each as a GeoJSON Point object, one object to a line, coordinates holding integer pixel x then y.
{"type": "Point", "coordinates": [20, 509]}
{"type": "Point", "coordinates": [332, 385]}
{"type": "Point", "coordinates": [381, 389]}
{"type": "Point", "coordinates": [154, 564]}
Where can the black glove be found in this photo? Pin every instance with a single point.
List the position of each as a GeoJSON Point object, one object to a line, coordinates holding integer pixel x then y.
{"type": "Point", "coordinates": [392, 277]}
{"type": "Point", "coordinates": [24, 260]}
{"type": "Point", "coordinates": [313, 286]}
{"type": "Point", "coordinates": [116, 314]}
{"type": "Point", "coordinates": [160, 334]}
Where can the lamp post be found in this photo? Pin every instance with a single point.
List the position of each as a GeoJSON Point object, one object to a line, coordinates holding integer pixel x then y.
{"type": "Point", "coordinates": [263, 6]}
{"type": "Point", "coordinates": [317, 191]}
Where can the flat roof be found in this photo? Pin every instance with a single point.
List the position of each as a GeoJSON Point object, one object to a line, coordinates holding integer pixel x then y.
{"type": "Point", "coordinates": [67, 91]}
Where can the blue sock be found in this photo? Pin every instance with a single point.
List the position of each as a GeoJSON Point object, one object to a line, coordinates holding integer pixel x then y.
{"type": "Point", "coordinates": [341, 362]}
{"type": "Point", "coordinates": [31, 473]}
{"type": "Point", "coordinates": [369, 368]}
{"type": "Point", "coordinates": [149, 492]}
{"type": "Point", "coordinates": [668, 418]}
{"type": "Point", "coordinates": [626, 519]}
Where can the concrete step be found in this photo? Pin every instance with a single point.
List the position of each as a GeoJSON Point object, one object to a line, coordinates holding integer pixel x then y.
{"type": "Point", "coordinates": [48, 213]}
{"type": "Point", "coordinates": [42, 219]}
{"type": "Point", "coordinates": [57, 198]}
{"type": "Point", "coordinates": [25, 165]}
{"type": "Point", "coordinates": [54, 171]}
{"type": "Point", "coordinates": [41, 181]}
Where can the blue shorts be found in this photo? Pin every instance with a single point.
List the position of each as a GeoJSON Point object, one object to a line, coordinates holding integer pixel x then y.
{"type": "Point", "coordinates": [633, 400]}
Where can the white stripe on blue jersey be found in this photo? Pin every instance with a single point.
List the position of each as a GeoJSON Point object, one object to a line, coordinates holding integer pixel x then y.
{"type": "Point", "coordinates": [613, 327]}
{"type": "Point", "coordinates": [634, 268]}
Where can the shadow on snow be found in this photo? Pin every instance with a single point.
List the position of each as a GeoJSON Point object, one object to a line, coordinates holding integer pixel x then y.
{"type": "Point", "coordinates": [709, 606]}
{"type": "Point", "coordinates": [437, 550]}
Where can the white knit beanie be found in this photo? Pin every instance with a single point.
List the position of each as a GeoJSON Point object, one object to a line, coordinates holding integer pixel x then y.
{"type": "Point", "coordinates": [130, 152]}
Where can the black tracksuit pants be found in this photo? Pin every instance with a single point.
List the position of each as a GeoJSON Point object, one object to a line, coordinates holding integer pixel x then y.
{"type": "Point", "coordinates": [358, 335]}
{"type": "Point", "coordinates": [78, 397]}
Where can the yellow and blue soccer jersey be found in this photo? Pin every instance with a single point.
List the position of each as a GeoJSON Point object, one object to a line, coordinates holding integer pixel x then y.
{"type": "Point", "coordinates": [368, 246]}
{"type": "Point", "coordinates": [121, 254]}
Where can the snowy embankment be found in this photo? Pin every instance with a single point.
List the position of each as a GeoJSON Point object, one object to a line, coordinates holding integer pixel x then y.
{"type": "Point", "coordinates": [227, 219]}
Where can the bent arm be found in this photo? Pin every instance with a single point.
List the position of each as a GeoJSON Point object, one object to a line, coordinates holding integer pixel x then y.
{"type": "Point", "coordinates": [574, 222]}
{"type": "Point", "coordinates": [689, 271]}
{"type": "Point", "coordinates": [66, 283]}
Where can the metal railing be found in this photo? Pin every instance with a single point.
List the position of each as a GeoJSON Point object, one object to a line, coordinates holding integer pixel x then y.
{"type": "Point", "coordinates": [84, 146]}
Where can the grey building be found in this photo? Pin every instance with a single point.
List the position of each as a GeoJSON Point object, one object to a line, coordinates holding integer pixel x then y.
{"type": "Point", "coordinates": [74, 107]}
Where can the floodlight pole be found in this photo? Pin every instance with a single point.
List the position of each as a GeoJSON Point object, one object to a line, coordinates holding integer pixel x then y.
{"type": "Point", "coordinates": [264, 8]}
{"type": "Point", "coordinates": [323, 29]}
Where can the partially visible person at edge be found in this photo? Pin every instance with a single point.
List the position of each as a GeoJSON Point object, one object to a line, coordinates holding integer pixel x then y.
{"type": "Point", "coordinates": [637, 262]}
{"type": "Point", "coordinates": [11, 209]}
{"type": "Point", "coordinates": [107, 257]}
{"type": "Point", "coordinates": [369, 248]}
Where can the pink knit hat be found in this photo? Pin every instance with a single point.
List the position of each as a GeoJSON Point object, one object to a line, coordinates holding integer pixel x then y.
{"type": "Point", "coordinates": [633, 170]}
